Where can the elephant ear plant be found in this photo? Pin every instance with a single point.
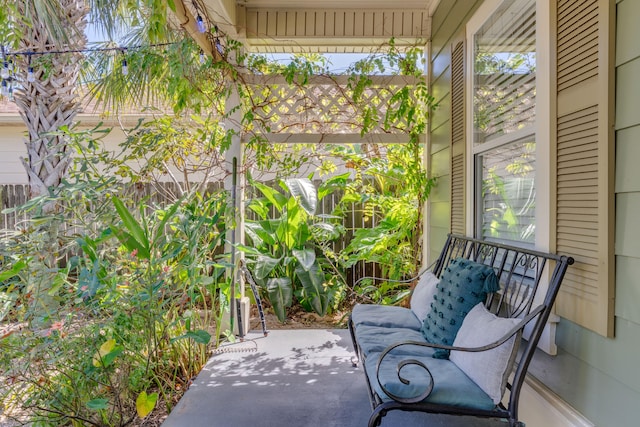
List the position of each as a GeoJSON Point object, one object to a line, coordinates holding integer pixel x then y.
{"type": "Point", "coordinates": [289, 252]}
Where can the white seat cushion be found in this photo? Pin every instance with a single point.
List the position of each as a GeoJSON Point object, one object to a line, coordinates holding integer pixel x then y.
{"type": "Point", "coordinates": [423, 295]}
{"type": "Point", "coordinates": [488, 369]}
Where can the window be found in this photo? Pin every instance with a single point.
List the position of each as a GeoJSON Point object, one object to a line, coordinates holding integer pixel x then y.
{"type": "Point", "coordinates": [539, 152]}
{"type": "Point", "coordinates": [504, 118]}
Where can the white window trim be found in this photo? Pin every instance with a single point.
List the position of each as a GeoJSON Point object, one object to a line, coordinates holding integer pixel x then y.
{"type": "Point", "coordinates": [543, 127]}
{"type": "Point", "coordinates": [544, 134]}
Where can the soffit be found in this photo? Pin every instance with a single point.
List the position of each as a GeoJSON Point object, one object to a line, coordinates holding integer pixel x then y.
{"type": "Point", "coordinates": [322, 25]}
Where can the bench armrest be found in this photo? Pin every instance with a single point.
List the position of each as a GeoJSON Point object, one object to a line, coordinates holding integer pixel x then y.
{"type": "Point", "coordinates": [376, 278]}
{"type": "Point", "coordinates": [513, 331]}
{"type": "Point", "coordinates": [382, 279]}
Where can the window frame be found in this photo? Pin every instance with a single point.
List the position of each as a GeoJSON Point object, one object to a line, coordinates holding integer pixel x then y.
{"type": "Point", "coordinates": [542, 130]}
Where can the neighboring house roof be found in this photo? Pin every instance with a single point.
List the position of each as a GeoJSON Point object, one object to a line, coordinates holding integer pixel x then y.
{"type": "Point", "coordinates": [89, 114]}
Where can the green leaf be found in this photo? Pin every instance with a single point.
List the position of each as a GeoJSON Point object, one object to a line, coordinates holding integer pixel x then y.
{"type": "Point", "coordinates": [260, 232]}
{"type": "Point", "coordinates": [129, 221]}
{"type": "Point", "coordinates": [199, 336]}
{"type": "Point", "coordinates": [129, 242]}
{"type": "Point", "coordinates": [136, 238]}
{"type": "Point", "coordinates": [351, 197]}
{"type": "Point", "coordinates": [248, 249]}
{"type": "Point", "coordinates": [88, 281]}
{"type": "Point", "coordinates": [6, 304]}
{"type": "Point", "coordinates": [306, 257]}
{"type": "Point", "coordinates": [259, 207]}
{"type": "Point", "coordinates": [272, 195]}
{"type": "Point", "coordinates": [280, 294]}
{"type": "Point", "coordinates": [329, 231]}
{"type": "Point", "coordinates": [313, 288]}
{"type": "Point", "coordinates": [13, 271]}
{"type": "Point", "coordinates": [305, 193]}
{"type": "Point", "coordinates": [168, 214]}
{"type": "Point", "coordinates": [98, 404]}
{"type": "Point", "coordinates": [293, 229]}
{"type": "Point", "coordinates": [264, 266]}
{"type": "Point", "coordinates": [105, 348]}
{"type": "Point", "coordinates": [107, 354]}
{"type": "Point", "coordinates": [251, 231]}
{"type": "Point", "coordinates": [145, 403]}
{"type": "Point", "coordinates": [332, 184]}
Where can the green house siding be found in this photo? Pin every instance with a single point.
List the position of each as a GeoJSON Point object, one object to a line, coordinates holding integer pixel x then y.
{"type": "Point", "coordinates": [598, 376]}
{"type": "Point", "coordinates": [447, 24]}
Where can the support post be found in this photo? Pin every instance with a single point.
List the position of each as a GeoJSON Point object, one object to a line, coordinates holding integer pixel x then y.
{"type": "Point", "coordinates": [234, 183]}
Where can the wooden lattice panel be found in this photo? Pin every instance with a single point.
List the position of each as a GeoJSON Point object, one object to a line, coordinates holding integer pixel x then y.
{"type": "Point", "coordinates": [324, 106]}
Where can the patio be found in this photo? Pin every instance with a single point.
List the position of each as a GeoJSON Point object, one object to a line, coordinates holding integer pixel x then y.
{"type": "Point", "coordinates": [303, 377]}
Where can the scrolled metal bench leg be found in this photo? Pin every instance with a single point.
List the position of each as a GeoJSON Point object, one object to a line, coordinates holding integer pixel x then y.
{"type": "Point", "coordinates": [355, 360]}
{"type": "Point", "coordinates": [376, 418]}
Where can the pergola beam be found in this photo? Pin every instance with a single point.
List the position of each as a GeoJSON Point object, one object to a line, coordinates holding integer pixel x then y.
{"type": "Point", "coordinates": [224, 14]}
{"type": "Point", "coordinates": [188, 22]}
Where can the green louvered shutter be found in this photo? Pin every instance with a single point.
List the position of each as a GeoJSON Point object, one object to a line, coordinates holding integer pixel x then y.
{"type": "Point", "coordinates": [457, 139]}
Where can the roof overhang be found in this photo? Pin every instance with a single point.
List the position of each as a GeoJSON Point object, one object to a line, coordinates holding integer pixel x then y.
{"type": "Point", "coordinates": [322, 25]}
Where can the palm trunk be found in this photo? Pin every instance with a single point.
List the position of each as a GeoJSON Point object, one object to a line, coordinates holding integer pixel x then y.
{"type": "Point", "coordinates": [47, 104]}
{"type": "Point", "coordinates": [51, 101]}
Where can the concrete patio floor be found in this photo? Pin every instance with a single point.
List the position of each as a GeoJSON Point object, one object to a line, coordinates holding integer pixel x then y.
{"type": "Point", "coordinates": [292, 378]}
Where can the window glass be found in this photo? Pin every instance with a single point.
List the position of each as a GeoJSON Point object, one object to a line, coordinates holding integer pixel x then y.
{"type": "Point", "coordinates": [504, 89]}
{"type": "Point", "coordinates": [504, 71]}
{"type": "Point", "coordinates": [508, 193]}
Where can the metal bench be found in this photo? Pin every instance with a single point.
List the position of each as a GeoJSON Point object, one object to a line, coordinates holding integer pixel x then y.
{"type": "Point", "coordinates": [529, 281]}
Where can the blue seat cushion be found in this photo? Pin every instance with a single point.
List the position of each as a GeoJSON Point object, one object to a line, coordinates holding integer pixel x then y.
{"type": "Point", "coordinates": [451, 386]}
{"type": "Point", "coordinates": [389, 316]}
{"type": "Point", "coordinates": [377, 338]}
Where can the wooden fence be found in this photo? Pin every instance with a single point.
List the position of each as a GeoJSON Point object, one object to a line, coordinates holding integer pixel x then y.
{"type": "Point", "coordinates": [15, 195]}
{"type": "Point", "coordinates": [12, 196]}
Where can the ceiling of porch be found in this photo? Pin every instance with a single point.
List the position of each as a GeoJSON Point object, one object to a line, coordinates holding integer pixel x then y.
{"type": "Point", "coordinates": [322, 25]}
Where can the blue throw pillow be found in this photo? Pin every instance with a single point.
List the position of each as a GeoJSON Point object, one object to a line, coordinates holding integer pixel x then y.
{"type": "Point", "coordinates": [463, 285]}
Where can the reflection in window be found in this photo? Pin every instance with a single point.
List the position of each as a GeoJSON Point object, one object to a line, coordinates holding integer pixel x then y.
{"type": "Point", "coordinates": [504, 145]}
{"type": "Point", "coordinates": [508, 193]}
{"type": "Point", "coordinates": [504, 71]}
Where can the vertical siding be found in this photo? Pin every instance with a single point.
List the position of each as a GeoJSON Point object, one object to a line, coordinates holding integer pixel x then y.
{"type": "Point", "coordinates": [597, 375]}
{"type": "Point", "coordinates": [447, 23]}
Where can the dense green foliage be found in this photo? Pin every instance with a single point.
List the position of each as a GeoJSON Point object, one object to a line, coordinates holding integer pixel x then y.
{"type": "Point", "coordinates": [392, 190]}
{"type": "Point", "coordinates": [123, 317]}
{"type": "Point", "coordinates": [115, 301]}
{"type": "Point", "coordinates": [289, 252]}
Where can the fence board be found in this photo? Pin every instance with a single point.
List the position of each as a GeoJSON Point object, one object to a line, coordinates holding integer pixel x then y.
{"type": "Point", "coordinates": [161, 194]}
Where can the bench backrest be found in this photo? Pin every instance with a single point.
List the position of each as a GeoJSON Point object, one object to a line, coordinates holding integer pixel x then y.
{"type": "Point", "coordinates": [523, 274]}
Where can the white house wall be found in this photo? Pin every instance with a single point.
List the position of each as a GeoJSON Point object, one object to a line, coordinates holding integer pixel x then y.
{"type": "Point", "coordinates": [12, 149]}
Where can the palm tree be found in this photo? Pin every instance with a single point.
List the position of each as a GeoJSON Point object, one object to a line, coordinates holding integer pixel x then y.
{"type": "Point", "coordinates": [49, 101]}
{"type": "Point", "coordinates": [48, 36]}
